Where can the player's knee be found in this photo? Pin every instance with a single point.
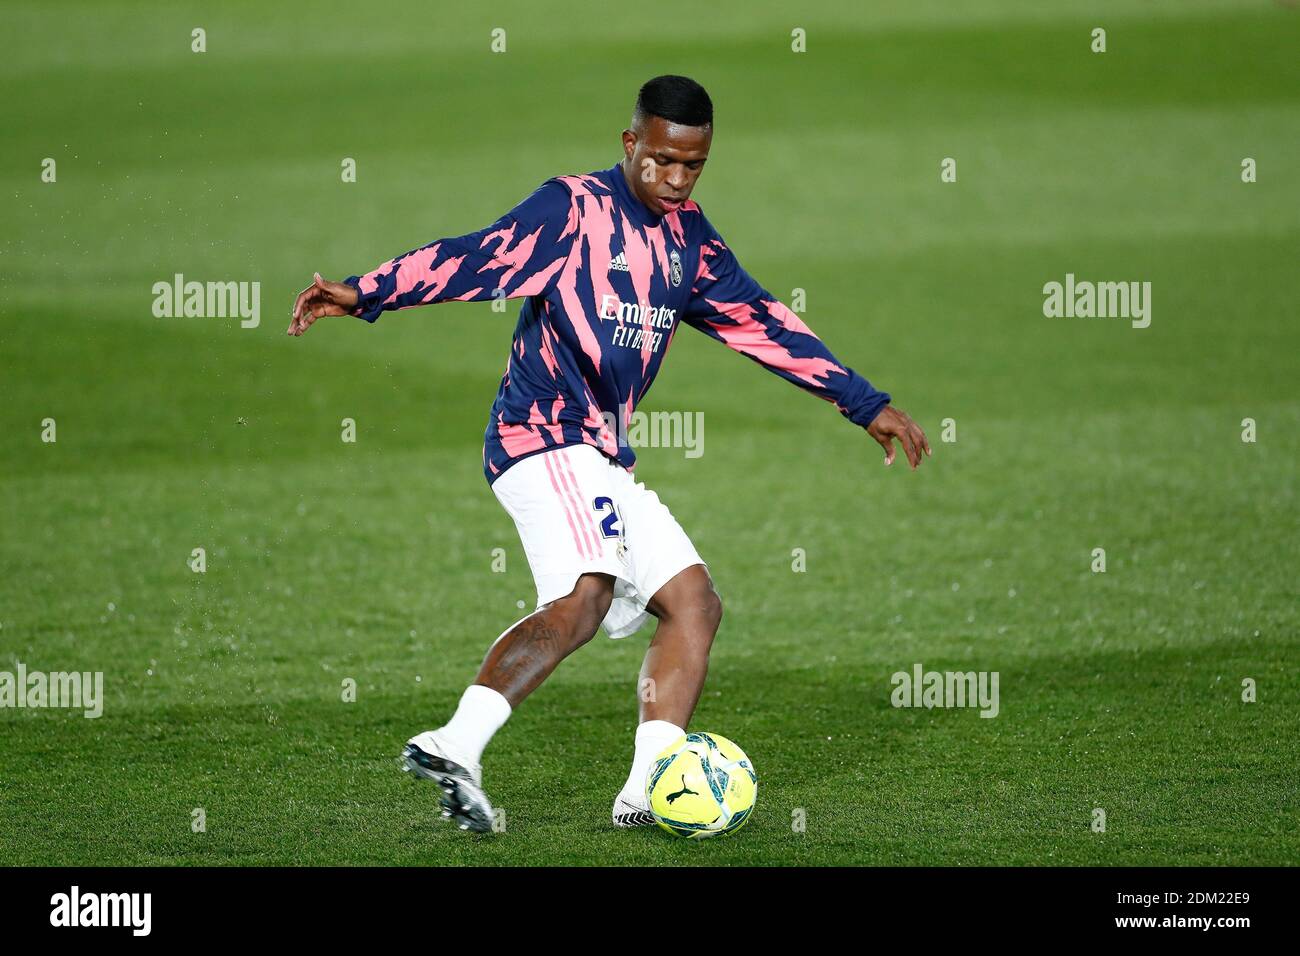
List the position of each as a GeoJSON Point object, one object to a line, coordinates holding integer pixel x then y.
{"type": "Point", "coordinates": [710, 615]}
{"type": "Point", "coordinates": [700, 606]}
{"type": "Point", "coordinates": [711, 608]}
{"type": "Point", "coordinates": [702, 616]}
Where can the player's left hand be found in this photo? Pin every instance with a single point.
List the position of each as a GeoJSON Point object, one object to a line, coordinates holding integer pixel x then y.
{"type": "Point", "coordinates": [894, 423]}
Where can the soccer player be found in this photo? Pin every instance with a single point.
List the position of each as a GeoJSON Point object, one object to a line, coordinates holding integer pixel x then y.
{"type": "Point", "coordinates": [608, 265]}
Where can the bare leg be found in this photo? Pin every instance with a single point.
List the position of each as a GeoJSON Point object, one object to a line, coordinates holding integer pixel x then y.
{"type": "Point", "coordinates": [677, 661]}
{"type": "Point", "coordinates": [515, 665]}
{"type": "Point", "coordinates": [672, 676]}
{"type": "Point", "coordinates": [526, 654]}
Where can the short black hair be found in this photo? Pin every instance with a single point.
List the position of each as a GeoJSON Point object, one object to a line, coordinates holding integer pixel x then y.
{"type": "Point", "coordinates": [678, 99]}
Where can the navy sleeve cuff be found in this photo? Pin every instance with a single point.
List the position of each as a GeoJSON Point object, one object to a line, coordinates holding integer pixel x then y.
{"type": "Point", "coordinates": [871, 409]}
{"type": "Point", "coordinates": [367, 310]}
{"type": "Point", "coordinates": [864, 402]}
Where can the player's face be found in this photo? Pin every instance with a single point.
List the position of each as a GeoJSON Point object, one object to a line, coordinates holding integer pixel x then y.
{"type": "Point", "coordinates": [663, 161]}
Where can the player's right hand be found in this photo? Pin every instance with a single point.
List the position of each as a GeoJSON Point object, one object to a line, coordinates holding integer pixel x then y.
{"type": "Point", "coordinates": [318, 299]}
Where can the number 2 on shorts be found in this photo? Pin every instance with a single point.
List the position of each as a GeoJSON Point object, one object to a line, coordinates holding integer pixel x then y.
{"type": "Point", "coordinates": [606, 503]}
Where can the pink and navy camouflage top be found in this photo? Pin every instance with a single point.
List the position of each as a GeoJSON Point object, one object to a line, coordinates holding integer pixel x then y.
{"type": "Point", "coordinates": [605, 282]}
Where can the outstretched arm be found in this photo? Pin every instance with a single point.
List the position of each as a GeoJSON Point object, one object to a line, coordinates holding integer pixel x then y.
{"type": "Point", "coordinates": [519, 255]}
{"type": "Point", "coordinates": [728, 305]}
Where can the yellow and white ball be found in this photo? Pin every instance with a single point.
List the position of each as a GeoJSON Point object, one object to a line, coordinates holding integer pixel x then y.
{"type": "Point", "coordinates": [701, 785]}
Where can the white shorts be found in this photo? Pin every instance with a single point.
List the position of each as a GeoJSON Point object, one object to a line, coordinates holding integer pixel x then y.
{"type": "Point", "coordinates": [578, 511]}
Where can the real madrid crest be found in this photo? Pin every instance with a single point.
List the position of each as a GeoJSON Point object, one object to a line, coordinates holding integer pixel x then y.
{"type": "Point", "coordinates": [675, 263]}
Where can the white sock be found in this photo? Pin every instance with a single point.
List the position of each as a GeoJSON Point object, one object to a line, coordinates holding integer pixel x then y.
{"type": "Point", "coordinates": [481, 713]}
{"type": "Point", "coordinates": [651, 737]}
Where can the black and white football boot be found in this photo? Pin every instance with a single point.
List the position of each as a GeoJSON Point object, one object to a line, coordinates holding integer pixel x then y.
{"type": "Point", "coordinates": [632, 813]}
{"type": "Point", "coordinates": [463, 801]}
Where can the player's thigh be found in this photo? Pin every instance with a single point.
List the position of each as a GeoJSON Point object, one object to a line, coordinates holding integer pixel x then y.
{"type": "Point", "coordinates": [554, 499]}
{"type": "Point", "coordinates": [658, 549]}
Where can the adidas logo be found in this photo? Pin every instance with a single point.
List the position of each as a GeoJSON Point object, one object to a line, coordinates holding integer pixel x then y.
{"type": "Point", "coordinates": [618, 263]}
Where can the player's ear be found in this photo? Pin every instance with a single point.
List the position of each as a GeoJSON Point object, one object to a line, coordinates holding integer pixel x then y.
{"type": "Point", "coordinates": [629, 143]}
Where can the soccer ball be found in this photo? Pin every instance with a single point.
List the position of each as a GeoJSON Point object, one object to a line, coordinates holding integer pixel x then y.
{"type": "Point", "coordinates": [701, 785]}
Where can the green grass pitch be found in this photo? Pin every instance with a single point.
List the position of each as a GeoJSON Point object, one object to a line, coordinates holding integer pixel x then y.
{"type": "Point", "coordinates": [1119, 691]}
